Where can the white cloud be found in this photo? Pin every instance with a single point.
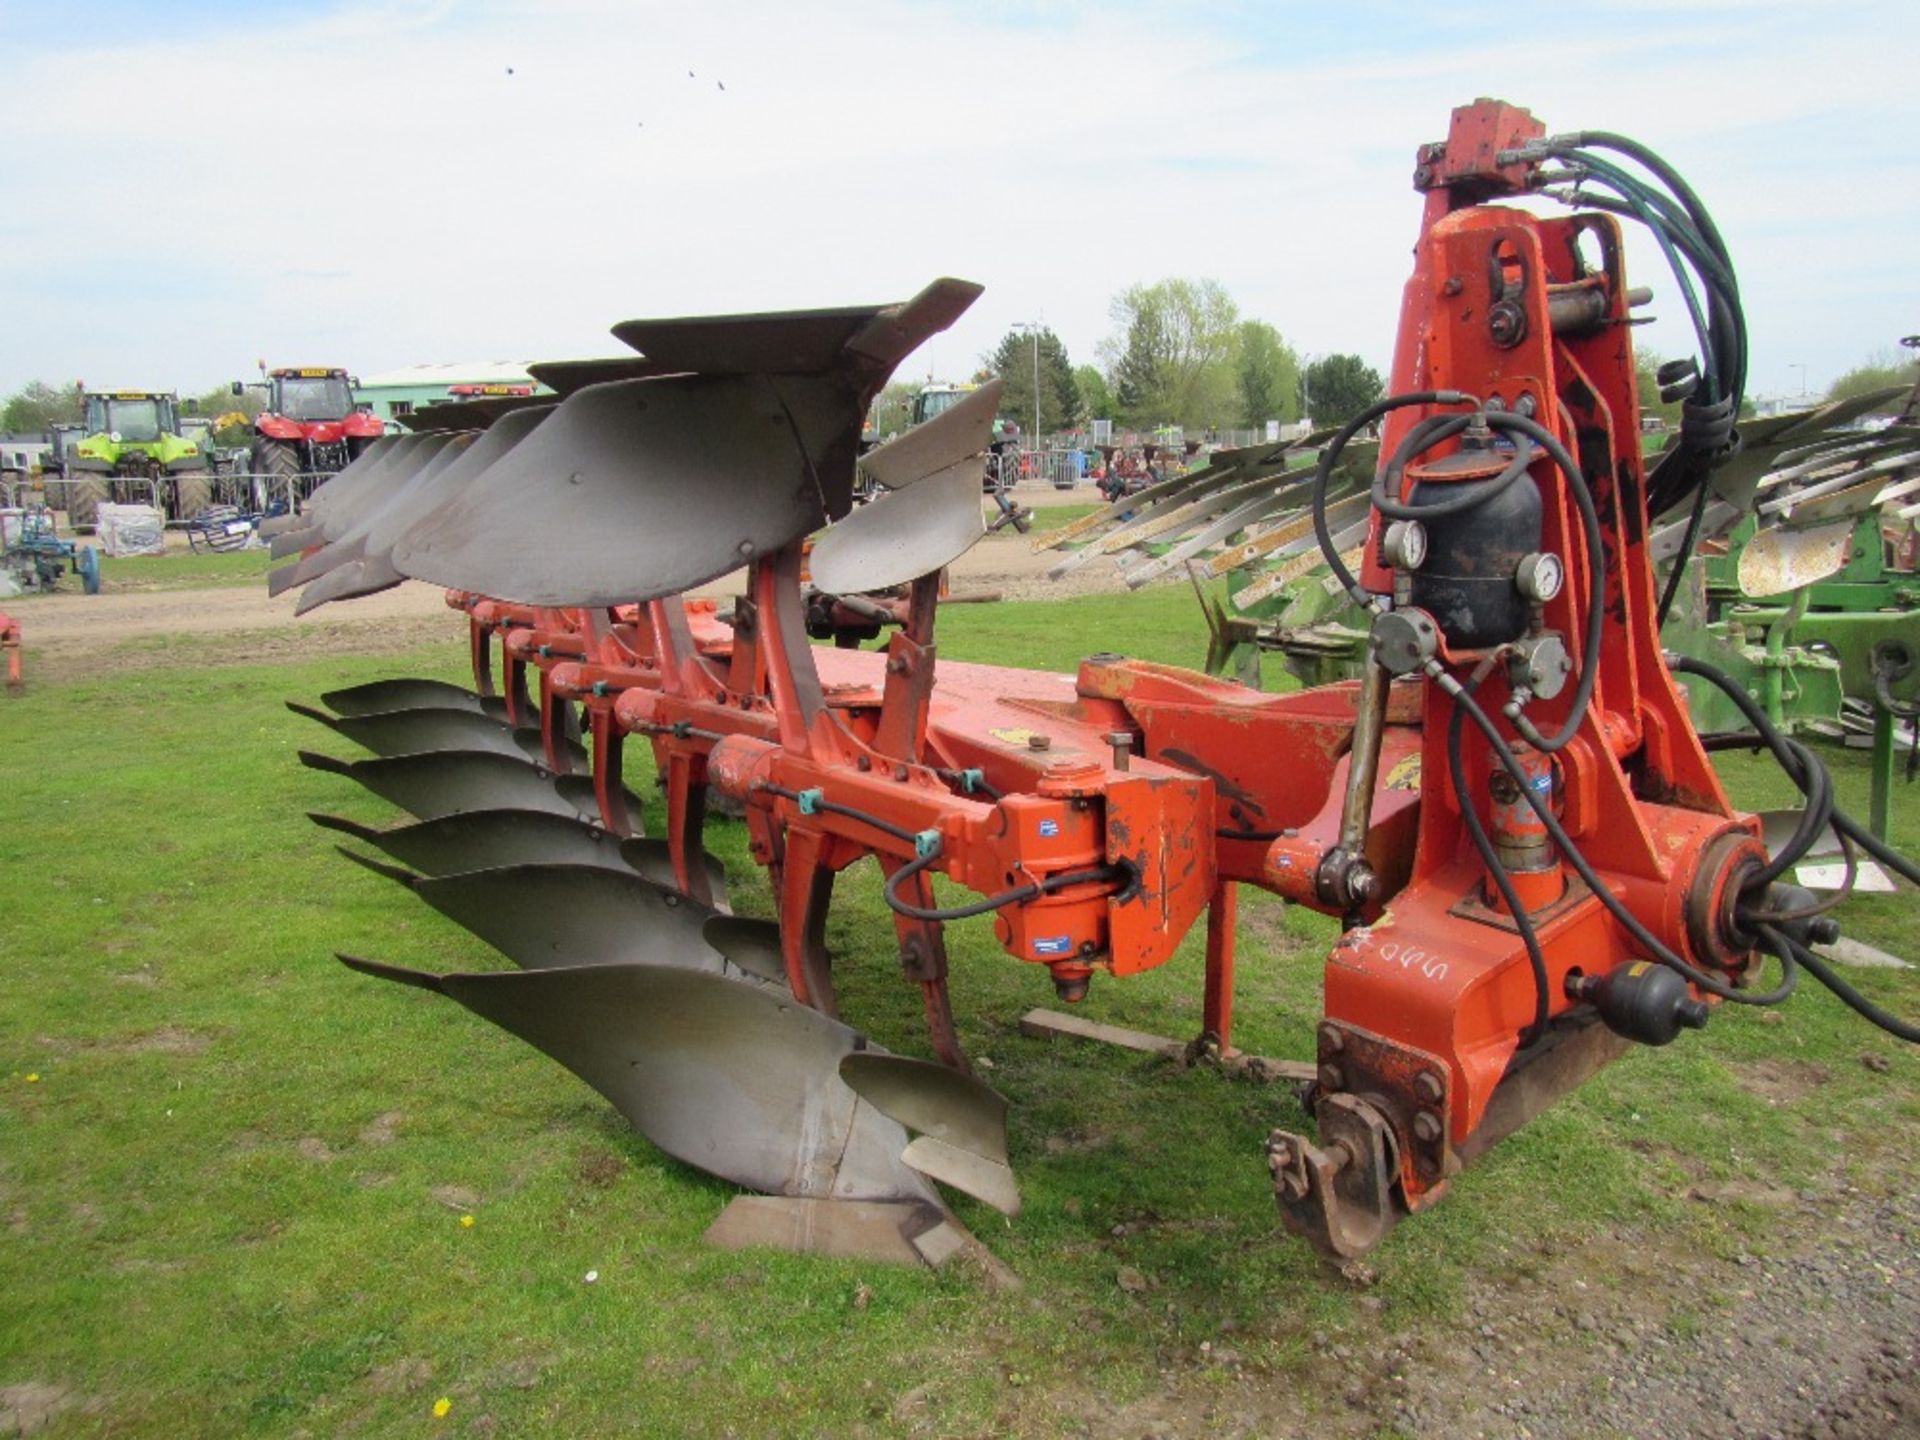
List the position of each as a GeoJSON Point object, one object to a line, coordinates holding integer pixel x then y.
{"type": "Point", "coordinates": [374, 188]}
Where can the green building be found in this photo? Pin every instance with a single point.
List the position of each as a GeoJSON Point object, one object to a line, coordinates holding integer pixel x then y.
{"type": "Point", "coordinates": [395, 393]}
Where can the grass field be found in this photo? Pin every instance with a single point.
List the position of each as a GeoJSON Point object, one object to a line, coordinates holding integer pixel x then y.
{"type": "Point", "coordinates": [175, 570]}
{"type": "Point", "coordinates": [234, 1177]}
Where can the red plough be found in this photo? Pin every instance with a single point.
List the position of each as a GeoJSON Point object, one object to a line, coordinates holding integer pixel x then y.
{"type": "Point", "coordinates": [1534, 862]}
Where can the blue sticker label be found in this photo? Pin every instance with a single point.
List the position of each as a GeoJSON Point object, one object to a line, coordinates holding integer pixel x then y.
{"type": "Point", "coordinates": [1049, 828]}
{"type": "Point", "coordinates": [1053, 945]}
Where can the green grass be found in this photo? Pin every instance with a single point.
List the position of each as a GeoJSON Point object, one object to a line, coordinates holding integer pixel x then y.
{"type": "Point", "coordinates": [183, 570]}
{"type": "Point", "coordinates": [209, 1228]}
{"type": "Point", "coordinates": [1056, 517]}
{"type": "Point", "coordinates": [176, 570]}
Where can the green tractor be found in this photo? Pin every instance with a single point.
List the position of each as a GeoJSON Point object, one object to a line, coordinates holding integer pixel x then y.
{"type": "Point", "coordinates": [133, 452]}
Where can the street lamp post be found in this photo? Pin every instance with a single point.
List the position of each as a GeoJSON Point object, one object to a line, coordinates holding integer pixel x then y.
{"type": "Point", "coordinates": [1803, 375]}
{"type": "Point", "coordinates": [1033, 329]}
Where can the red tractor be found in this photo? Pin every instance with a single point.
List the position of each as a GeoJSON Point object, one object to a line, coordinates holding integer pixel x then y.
{"type": "Point", "coordinates": [310, 426]}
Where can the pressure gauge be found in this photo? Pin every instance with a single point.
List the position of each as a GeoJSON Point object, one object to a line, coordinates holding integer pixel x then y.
{"type": "Point", "coordinates": [1405, 544]}
{"type": "Point", "coordinates": [1539, 577]}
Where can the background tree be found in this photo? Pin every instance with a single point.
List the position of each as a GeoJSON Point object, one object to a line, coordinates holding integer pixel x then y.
{"type": "Point", "coordinates": [1882, 370]}
{"type": "Point", "coordinates": [1096, 398]}
{"type": "Point", "coordinates": [1173, 360]}
{"type": "Point", "coordinates": [1336, 388]}
{"type": "Point", "coordinates": [1269, 376]}
{"type": "Point", "coordinates": [1013, 361]}
{"type": "Point", "coordinates": [37, 406]}
{"type": "Point", "coordinates": [893, 411]}
{"type": "Point", "coordinates": [1647, 364]}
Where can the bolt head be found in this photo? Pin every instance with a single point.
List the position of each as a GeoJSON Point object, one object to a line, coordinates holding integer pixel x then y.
{"type": "Point", "coordinates": [1428, 1087]}
{"type": "Point", "coordinates": [1426, 1128]}
{"type": "Point", "coordinates": [1332, 1039]}
{"type": "Point", "coordinates": [1332, 1077]}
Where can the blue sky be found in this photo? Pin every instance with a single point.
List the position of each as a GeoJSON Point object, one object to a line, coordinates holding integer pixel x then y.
{"type": "Point", "coordinates": [190, 188]}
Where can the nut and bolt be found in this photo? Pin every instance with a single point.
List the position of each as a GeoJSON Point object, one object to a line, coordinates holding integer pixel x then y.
{"type": "Point", "coordinates": [1428, 1087]}
{"type": "Point", "coordinates": [1332, 1077]}
{"type": "Point", "coordinates": [1122, 743]}
{"type": "Point", "coordinates": [1039, 742]}
{"type": "Point", "coordinates": [1332, 1039]}
{"type": "Point", "coordinates": [1426, 1128]}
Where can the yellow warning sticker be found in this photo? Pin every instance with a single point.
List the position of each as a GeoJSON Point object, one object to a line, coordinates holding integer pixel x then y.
{"type": "Point", "coordinates": [1405, 775]}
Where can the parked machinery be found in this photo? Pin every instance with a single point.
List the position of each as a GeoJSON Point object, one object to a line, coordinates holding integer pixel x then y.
{"type": "Point", "coordinates": [133, 453]}
{"type": "Point", "coordinates": [34, 556]}
{"type": "Point", "coordinates": [1533, 860]}
{"type": "Point", "coordinates": [10, 644]}
{"type": "Point", "coordinates": [310, 427]}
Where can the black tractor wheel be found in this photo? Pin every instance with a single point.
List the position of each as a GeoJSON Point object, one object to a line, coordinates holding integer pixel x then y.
{"type": "Point", "coordinates": [84, 496]}
{"type": "Point", "coordinates": [275, 457]}
{"type": "Point", "coordinates": [192, 492]}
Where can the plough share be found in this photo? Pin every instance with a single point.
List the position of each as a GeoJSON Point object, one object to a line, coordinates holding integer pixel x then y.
{"type": "Point", "coordinates": [1534, 863]}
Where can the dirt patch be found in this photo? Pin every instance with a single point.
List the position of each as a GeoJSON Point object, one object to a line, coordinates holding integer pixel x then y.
{"type": "Point", "coordinates": [382, 1129]}
{"type": "Point", "coordinates": [1617, 1332]}
{"type": "Point", "coordinates": [400, 1377]}
{"type": "Point", "coordinates": [1779, 1082]}
{"type": "Point", "coordinates": [167, 1040]}
{"type": "Point", "coordinates": [522, 1373]}
{"type": "Point", "coordinates": [456, 1197]}
{"type": "Point", "coordinates": [29, 1408]}
{"type": "Point", "coordinates": [312, 1147]}
{"type": "Point", "coordinates": [70, 635]}
{"type": "Point", "coordinates": [598, 1168]}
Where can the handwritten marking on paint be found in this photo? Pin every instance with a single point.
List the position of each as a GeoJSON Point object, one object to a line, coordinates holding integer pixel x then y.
{"type": "Point", "coordinates": [1411, 957]}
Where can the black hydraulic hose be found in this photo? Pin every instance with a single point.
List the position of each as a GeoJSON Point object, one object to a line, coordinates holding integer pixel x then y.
{"type": "Point", "coordinates": [1323, 476]}
{"type": "Point", "coordinates": [1596, 577]}
{"type": "Point", "coordinates": [1695, 518]}
{"type": "Point", "coordinates": [1421, 438]}
{"type": "Point", "coordinates": [1816, 816]}
{"type": "Point", "coordinates": [1650, 942]}
{"type": "Point", "coordinates": [1668, 176]}
{"type": "Point", "coordinates": [1638, 198]}
{"type": "Point", "coordinates": [1756, 915]}
{"type": "Point", "coordinates": [1843, 823]}
{"type": "Point", "coordinates": [1497, 872]}
{"type": "Point", "coordinates": [830, 807]}
{"type": "Point", "coordinates": [1032, 890]}
{"type": "Point", "coordinates": [1848, 996]}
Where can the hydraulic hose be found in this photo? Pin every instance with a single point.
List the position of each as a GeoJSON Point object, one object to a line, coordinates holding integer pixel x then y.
{"type": "Point", "coordinates": [1477, 832]}
{"type": "Point", "coordinates": [1323, 476]}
